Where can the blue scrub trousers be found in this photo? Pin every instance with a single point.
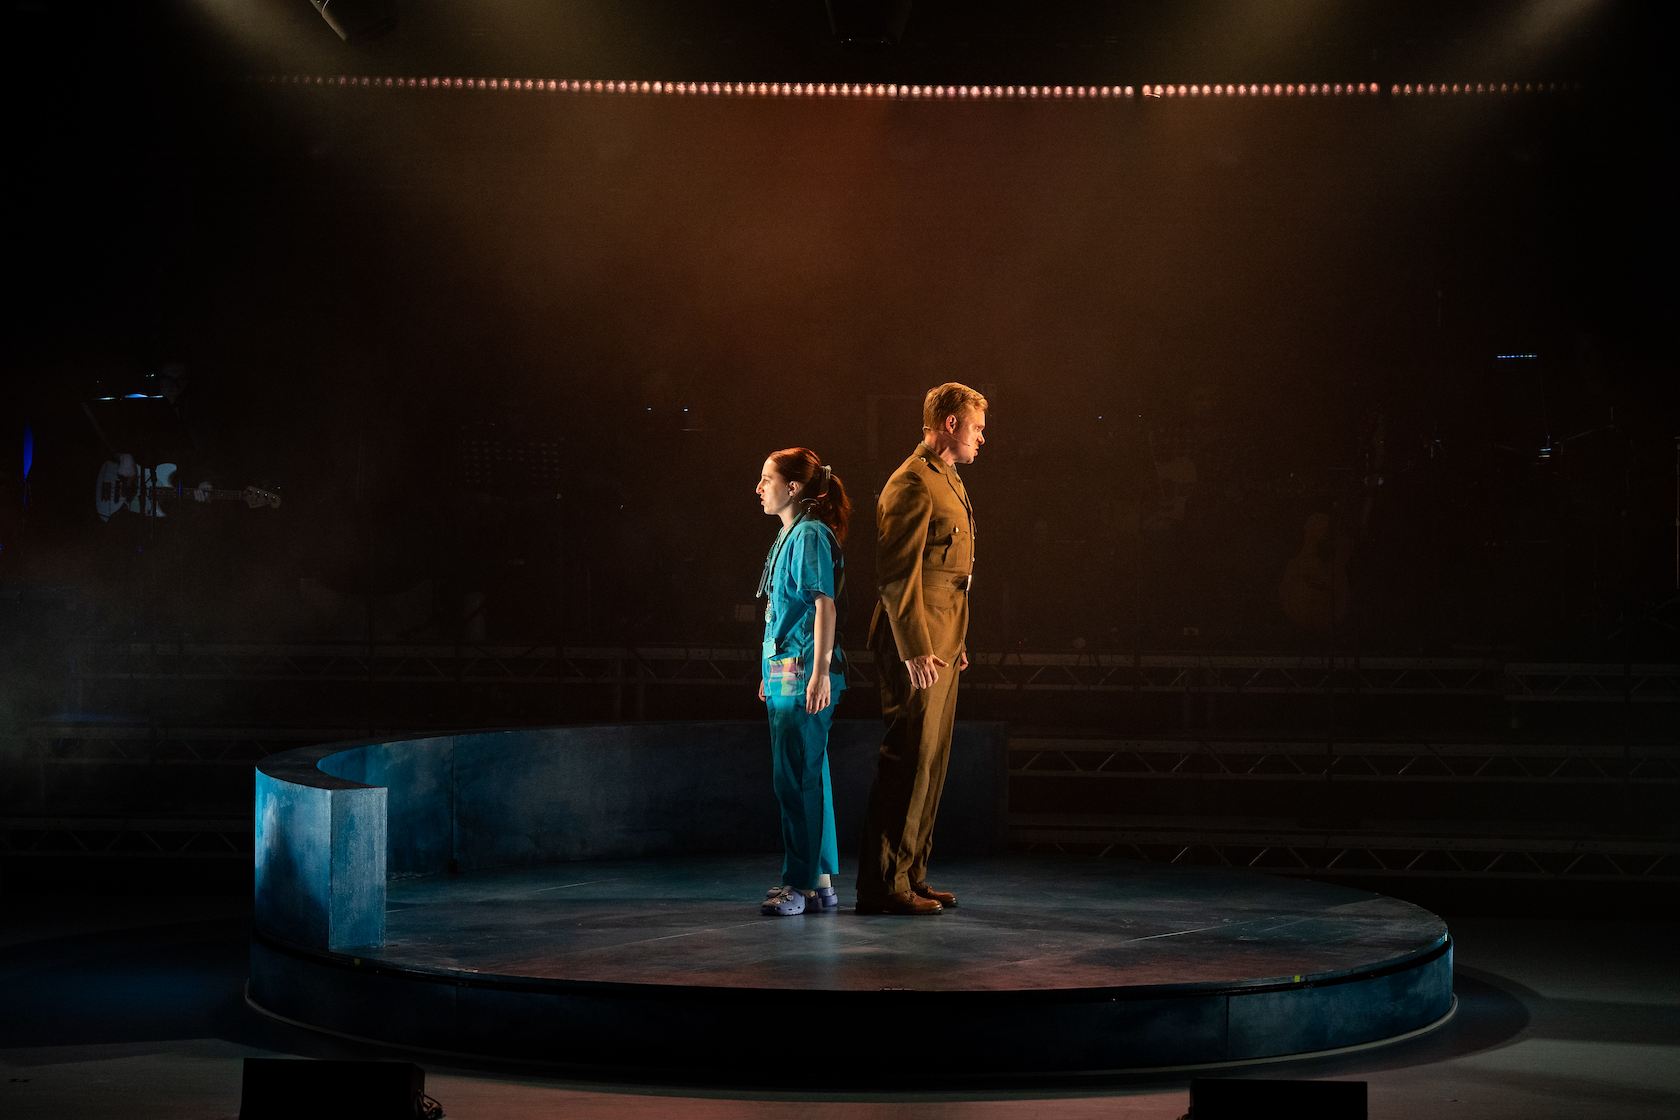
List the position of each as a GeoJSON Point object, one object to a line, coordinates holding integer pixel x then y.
{"type": "Point", "coordinates": [799, 754]}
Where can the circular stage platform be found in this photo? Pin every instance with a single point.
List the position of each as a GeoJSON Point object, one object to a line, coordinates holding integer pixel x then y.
{"type": "Point", "coordinates": [1049, 964]}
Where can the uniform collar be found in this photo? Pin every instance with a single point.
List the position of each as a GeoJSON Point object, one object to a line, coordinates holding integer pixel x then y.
{"type": "Point", "coordinates": [782, 535]}
{"type": "Point", "coordinates": [939, 466]}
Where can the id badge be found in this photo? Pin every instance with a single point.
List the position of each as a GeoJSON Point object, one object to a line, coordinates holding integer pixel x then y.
{"type": "Point", "coordinates": [784, 677]}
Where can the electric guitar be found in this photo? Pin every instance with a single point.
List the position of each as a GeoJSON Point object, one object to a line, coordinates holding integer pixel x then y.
{"type": "Point", "coordinates": [142, 491]}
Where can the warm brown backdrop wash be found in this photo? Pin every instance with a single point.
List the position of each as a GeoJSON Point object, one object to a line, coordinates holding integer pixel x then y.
{"type": "Point", "coordinates": [673, 286]}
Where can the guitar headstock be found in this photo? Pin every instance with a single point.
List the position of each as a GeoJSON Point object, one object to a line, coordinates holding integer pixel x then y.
{"type": "Point", "coordinates": [256, 498]}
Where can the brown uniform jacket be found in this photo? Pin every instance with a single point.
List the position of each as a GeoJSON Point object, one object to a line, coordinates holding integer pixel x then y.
{"type": "Point", "coordinates": [924, 556]}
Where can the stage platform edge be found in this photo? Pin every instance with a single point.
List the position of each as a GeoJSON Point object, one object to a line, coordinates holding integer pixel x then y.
{"type": "Point", "coordinates": [583, 897]}
{"type": "Point", "coordinates": [436, 992]}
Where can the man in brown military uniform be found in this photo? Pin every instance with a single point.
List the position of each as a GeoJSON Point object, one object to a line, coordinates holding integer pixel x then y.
{"type": "Point", "coordinates": [925, 561]}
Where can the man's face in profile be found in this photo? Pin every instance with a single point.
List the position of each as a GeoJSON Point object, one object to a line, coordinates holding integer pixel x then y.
{"type": "Point", "coordinates": [967, 433]}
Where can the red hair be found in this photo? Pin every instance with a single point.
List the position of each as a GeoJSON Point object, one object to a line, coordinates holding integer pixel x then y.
{"type": "Point", "coordinates": [824, 496]}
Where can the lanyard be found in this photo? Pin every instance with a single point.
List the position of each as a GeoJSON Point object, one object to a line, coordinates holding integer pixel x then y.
{"type": "Point", "coordinates": [775, 551]}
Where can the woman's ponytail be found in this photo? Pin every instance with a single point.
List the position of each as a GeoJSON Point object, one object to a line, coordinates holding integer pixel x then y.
{"type": "Point", "coordinates": [824, 495]}
{"type": "Point", "coordinates": [832, 506]}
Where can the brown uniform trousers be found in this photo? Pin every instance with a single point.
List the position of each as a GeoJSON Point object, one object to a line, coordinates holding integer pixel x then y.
{"type": "Point", "coordinates": [924, 559]}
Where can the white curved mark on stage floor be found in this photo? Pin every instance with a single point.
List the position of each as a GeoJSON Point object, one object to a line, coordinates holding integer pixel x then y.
{"type": "Point", "coordinates": [1174, 933]}
{"type": "Point", "coordinates": [689, 933]}
{"type": "Point", "coordinates": [586, 883]}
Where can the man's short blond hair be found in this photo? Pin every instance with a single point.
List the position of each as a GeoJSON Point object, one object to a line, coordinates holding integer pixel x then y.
{"type": "Point", "coordinates": [950, 399]}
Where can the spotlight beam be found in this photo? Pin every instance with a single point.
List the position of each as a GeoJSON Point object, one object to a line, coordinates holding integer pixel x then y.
{"type": "Point", "coordinates": [358, 19]}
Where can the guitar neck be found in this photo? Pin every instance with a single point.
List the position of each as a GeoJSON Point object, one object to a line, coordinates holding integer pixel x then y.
{"type": "Point", "coordinates": [192, 492]}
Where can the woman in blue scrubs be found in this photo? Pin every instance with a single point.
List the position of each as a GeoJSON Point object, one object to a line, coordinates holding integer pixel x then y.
{"type": "Point", "coordinates": [803, 668]}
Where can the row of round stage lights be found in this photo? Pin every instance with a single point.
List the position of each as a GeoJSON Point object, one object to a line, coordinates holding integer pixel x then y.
{"type": "Point", "coordinates": [901, 92]}
{"type": "Point", "coordinates": [724, 89]}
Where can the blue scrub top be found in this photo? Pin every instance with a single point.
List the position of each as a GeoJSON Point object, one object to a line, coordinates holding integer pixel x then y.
{"type": "Point", "coordinates": [805, 563]}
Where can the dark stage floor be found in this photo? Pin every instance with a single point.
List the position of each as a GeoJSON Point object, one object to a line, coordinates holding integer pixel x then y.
{"type": "Point", "coordinates": [1047, 965]}
{"type": "Point", "coordinates": [122, 1007]}
{"type": "Point", "coordinates": [1022, 924]}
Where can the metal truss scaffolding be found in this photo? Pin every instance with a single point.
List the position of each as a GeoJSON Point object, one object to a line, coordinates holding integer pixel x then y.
{"type": "Point", "coordinates": [1363, 848]}
{"type": "Point", "coordinates": [73, 743]}
{"type": "Point", "coordinates": [126, 838]}
{"type": "Point", "coordinates": [671, 665]}
{"type": "Point", "coordinates": [1395, 851]}
{"type": "Point", "coordinates": [1401, 761]}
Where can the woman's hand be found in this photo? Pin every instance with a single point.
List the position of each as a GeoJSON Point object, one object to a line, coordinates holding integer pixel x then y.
{"type": "Point", "coordinates": [761, 690]}
{"type": "Point", "coordinates": [817, 695]}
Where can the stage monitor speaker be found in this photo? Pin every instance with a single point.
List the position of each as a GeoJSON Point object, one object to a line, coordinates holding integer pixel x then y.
{"type": "Point", "coordinates": [287, 1088]}
{"type": "Point", "coordinates": [358, 19]}
{"type": "Point", "coordinates": [1231, 1098]}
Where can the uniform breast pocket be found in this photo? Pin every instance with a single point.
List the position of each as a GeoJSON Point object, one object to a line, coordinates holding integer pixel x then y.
{"type": "Point", "coordinates": [942, 534]}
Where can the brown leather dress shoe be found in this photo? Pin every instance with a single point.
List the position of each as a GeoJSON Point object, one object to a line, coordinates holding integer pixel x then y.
{"type": "Point", "coordinates": [944, 898]}
{"type": "Point", "coordinates": [906, 903]}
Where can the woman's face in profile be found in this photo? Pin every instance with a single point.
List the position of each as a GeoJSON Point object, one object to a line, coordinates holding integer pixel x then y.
{"type": "Point", "coordinates": [773, 491]}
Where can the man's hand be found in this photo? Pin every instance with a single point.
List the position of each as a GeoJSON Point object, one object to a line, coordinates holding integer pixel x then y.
{"type": "Point", "coordinates": [817, 695]}
{"type": "Point", "coordinates": [962, 662]}
{"type": "Point", "coordinates": [761, 689]}
{"type": "Point", "coordinates": [924, 670]}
